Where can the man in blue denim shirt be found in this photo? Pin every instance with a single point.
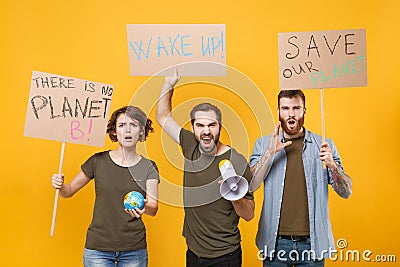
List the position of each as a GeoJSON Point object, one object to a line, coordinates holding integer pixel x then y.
{"type": "Point", "coordinates": [296, 167]}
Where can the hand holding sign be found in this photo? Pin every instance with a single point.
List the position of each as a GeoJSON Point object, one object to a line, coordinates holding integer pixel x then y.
{"type": "Point", "coordinates": [323, 59]}
{"type": "Point", "coordinates": [57, 180]}
{"type": "Point", "coordinates": [68, 110]}
{"type": "Point", "coordinates": [171, 81]}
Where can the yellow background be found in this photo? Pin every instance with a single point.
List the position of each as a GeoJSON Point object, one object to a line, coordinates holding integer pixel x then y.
{"type": "Point", "coordinates": [87, 40]}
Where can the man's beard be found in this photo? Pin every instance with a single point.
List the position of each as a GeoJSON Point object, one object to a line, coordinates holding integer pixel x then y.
{"type": "Point", "coordinates": [210, 149]}
{"type": "Point", "coordinates": [296, 130]}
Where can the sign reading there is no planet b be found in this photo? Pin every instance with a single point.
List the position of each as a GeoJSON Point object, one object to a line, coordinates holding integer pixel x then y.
{"type": "Point", "coordinates": [67, 109]}
{"type": "Point", "coordinates": [196, 49]}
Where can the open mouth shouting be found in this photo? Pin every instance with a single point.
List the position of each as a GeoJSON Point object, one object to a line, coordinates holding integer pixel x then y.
{"type": "Point", "coordinates": [291, 123]}
{"type": "Point", "coordinates": [207, 139]}
{"type": "Point", "coordinates": [292, 126]}
{"type": "Point", "coordinates": [207, 143]}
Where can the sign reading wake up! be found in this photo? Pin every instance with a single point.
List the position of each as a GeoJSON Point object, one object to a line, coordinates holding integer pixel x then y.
{"type": "Point", "coordinates": [322, 59]}
{"type": "Point", "coordinates": [67, 109]}
{"type": "Point", "coordinates": [200, 49]}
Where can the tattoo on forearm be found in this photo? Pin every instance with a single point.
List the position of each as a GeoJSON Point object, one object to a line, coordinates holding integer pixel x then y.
{"type": "Point", "coordinates": [256, 181]}
{"type": "Point", "coordinates": [342, 183]}
{"type": "Point", "coordinates": [260, 163]}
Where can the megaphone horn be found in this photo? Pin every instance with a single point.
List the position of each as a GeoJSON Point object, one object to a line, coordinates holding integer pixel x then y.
{"type": "Point", "coordinates": [233, 186]}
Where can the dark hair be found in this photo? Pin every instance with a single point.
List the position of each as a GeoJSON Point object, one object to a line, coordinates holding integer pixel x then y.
{"type": "Point", "coordinates": [290, 94]}
{"type": "Point", "coordinates": [134, 113]}
{"type": "Point", "coordinates": [206, 107]}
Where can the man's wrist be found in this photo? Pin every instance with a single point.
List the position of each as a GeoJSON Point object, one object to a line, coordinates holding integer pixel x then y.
{"type": "Point", "coordinates": [167, 87]}
{"type": "Point", "coordinates": [334, 167]}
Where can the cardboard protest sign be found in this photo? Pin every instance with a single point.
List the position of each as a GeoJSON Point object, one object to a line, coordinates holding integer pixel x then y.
{"type": "Point", "coordinates": [322, 59]}
{"type": "Point", "coordinates": [152, 48]}
{"type": "Point", "coordinates": [67, 109]}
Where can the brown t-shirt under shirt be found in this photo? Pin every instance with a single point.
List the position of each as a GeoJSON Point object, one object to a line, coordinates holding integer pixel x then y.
{"type": "Point", "coordinates": [210, 224]}
{"type": "Point", "coordinates": [294, 218]}
{"type": "Point", "coordinates": [112, 229]}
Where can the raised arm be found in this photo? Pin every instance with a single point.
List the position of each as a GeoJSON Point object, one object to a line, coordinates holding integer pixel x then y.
{"type": "Point", "coordinates": [342, 183]}
{"type": "Point", "coordinates": [164, 108]}
{"type": "Point", "coordinates": [263, 165]}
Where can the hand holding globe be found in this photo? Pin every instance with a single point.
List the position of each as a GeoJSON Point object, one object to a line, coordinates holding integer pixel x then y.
{"type": "Point", "coordinates": [134, 200]}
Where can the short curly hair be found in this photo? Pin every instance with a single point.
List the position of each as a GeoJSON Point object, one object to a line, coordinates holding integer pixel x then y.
{"type": "Point", "coordinates": [134, 113]}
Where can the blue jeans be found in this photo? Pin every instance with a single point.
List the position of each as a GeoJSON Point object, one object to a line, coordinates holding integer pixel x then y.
{"type": "Point", "coordinates": [293, 253]}
{"type": "Point", "coordinates": [131, 258]}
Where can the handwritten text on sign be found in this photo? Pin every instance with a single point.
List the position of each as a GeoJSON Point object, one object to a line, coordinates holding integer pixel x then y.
{"type": "Point", "coordinates": [67, 109]}
{"type": "Point", "coordinates": [322, 59]}
{"type": "Point", "coordinates": [155, 47]}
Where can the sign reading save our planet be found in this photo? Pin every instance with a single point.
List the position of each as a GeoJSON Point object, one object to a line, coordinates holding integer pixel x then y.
{"type": "Point", "coordinates": [67, 109]}
{"type": "Point", "coordinates": [322, 59]}
{"type": "Point", "coordinates": [198, 49]}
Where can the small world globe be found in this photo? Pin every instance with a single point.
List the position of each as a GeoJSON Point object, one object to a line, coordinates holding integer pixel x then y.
{"type": "Point", "coordinates": [133, 200]}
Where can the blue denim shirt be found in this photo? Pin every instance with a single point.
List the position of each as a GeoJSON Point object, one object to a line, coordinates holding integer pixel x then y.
{"type": "Point", "coordinates": [317, 180]}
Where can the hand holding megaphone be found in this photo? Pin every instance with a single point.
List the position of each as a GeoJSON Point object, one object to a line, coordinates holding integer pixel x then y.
{"type": "Point", "coordinates": [233, 186]}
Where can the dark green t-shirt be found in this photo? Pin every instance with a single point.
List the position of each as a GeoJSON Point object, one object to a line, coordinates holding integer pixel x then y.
{"type": "Point", "coordinates": [112, 229]}
{"type": "Point", "coordinates": [294, 212]}
{"type": "Point", "coordinates": [210, 225]}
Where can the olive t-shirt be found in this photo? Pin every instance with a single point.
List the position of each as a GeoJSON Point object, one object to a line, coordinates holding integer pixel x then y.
{"type": "Point", "coordinates": [112, 229]}
{"type": "Point", "coordinates": [210, 224]}
{"type": "Point", "coordinates": [294, 211]}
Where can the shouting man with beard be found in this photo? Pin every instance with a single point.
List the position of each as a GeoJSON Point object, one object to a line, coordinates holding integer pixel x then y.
{"type": "Point", "coordinates": [294, 227]}
{"type": "Point", "coordinates": [210, 224]}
